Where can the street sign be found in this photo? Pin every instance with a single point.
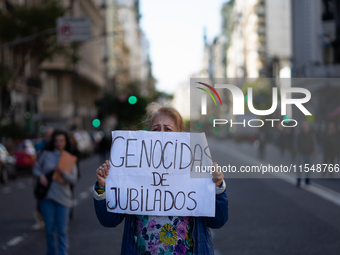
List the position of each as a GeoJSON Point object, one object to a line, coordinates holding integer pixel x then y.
{"type": "Point", "coordinates": [70, 29]}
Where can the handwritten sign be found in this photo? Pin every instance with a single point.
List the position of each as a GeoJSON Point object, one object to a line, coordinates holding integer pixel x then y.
{"type": "Point", "coordinates": [150, 174]}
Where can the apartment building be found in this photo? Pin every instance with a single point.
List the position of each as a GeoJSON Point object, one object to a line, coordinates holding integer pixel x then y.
{"type": "Point", "coordinates": [55, 92]}
{"type": "Point", "coordinates": [316, 48]}
{"type": "Point", "coordinates": [259, 37]}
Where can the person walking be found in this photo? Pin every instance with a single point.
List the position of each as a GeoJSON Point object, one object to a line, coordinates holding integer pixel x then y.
{"type": "Point", "coordinates": [306, 146]}
{"type": "Point", "coordinates": [55, 207]}
{"type": "Point", "coordinates": [40, 147]}
{"type": "Point", "coordinates": [330, 147]}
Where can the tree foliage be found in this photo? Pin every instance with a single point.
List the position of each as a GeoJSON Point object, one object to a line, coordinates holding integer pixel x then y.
{"type": "Point", "coordinates": [5, 75]}
{"type": "Point", "coordinates": [26, 20]}
{"type": "Point", "coordinates": [130, 116]}
{"type": "Point", "coordinates": [262, 93]}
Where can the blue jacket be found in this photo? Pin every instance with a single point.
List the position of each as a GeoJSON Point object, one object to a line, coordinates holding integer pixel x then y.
{"type": "Point", "coordinates": [201, 233]}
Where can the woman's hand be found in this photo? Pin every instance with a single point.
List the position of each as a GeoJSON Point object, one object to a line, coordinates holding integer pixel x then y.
{"type": "Point", "coordinates": [217, 176]}
{"type": "Point", "coordinates": [58, 169]}
{"type": "Point", "coordinates": [43, 180]}
{"type": "Point", "coordinates": [102, 172]}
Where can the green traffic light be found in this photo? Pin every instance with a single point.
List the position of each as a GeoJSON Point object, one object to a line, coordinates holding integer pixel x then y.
{"type": "Point", "coordinates": [286, 119]}
{"type": "Point", "coordinates": [96, 123]}
{"type": "Point", "coordinates": [132, 100]}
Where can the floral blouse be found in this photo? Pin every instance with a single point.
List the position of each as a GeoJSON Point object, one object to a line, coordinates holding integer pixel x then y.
{"type": "Point", "coordinates": [162, 235]}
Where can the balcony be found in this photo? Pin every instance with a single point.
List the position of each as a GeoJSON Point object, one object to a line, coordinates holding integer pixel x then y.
{"type": "Point", "coordinates": [329, 71]}
{"type": "Point", "coordinates": [260, 11]}
{"type": "Point", "coordinates": [261, 30]}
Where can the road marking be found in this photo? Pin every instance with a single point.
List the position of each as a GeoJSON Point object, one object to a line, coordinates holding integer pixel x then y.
{"type": "Point", "coordinates": [20, 185]}
{"type": "Point", "coordinates": [321, 191]}
{"type": "Point", "coordinates": [212, 232]}
{"type": "Point", "coordinates": [84, 195]}
{"type": "Point", "coordinates": [14, 241]}
{"type": "Point", "coordinates": [6, 190]}
{"type": "Point", "coordinates": [36, 226]}
{"type": "Point", "coordinates": [75, 202]}
{"type": "Point", "coordinates": [217, 252]}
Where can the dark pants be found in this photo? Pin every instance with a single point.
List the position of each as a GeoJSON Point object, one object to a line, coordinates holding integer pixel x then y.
{"type": "Point", "coordinates": [304, 159]}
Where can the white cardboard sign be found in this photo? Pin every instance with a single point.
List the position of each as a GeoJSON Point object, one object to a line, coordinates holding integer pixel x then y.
{"type": "Point", "coordinates": [150, 174]}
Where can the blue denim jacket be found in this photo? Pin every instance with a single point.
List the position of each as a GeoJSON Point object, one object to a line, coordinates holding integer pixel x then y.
{"type": "Point", "coordinates": [201, 233]}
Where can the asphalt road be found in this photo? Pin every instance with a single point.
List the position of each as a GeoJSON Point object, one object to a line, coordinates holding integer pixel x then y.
{"type": "Point", "coordinates": [266, 216]}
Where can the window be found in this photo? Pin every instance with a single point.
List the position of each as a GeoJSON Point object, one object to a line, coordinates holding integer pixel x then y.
{"type": "Point", "coordinates": [50, 87]}
{"type": "Point", "coordinates": [327, 10]}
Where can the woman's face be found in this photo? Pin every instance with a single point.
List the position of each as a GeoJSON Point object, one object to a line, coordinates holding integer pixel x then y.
{"type": "Point", "coordinates": [165, 123]}
{"type": "Point", "coordinates": [60, 142]}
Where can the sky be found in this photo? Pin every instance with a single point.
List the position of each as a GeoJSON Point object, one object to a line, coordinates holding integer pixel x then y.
{"type": "Point", "coordinates": [174, 29]}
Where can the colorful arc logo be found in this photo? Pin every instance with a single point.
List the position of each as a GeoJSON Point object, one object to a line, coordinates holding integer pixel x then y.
{"type": "Point", "coordinates": [204, 97]}
{"type": "Point", "coordinates": [208, 92]}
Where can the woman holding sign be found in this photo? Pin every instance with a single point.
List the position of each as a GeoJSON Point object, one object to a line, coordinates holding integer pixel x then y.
{"type": "Point", "coordinates": [57, 162]}
{"type": "Point", "coordinates": [149, 234]}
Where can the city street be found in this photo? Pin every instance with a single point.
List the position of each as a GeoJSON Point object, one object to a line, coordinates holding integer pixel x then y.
{"type": "Point", "coordinates": [266, 216]}
{"type": "Point", "coordinates": [263, 71]}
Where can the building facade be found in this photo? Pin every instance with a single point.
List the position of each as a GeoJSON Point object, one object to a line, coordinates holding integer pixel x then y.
{"type": "Point", "coordinates": [316, 36]}
{"type": "Point", "coordinates": [56, 92]}
{"type": "Point", "coordinates": [69, 90]}
{"type": "Point", "coordinates": [259, 37]}
{"type": "Point", "coordinates": [61, 91]}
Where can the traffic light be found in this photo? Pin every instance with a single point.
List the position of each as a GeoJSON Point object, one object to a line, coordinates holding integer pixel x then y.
{"type": "Point", "coordinates": [96, 123]}
{"type": "Point", "coordinates": [132, 100]}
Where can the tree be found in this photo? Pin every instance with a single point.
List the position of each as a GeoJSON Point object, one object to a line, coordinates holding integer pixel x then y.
{"type": "Point", "coordinates": [31, 21]}
{"type": "Point", "coordinates": [23, 21]}
{"type": "Point", "coordinates": [262, 93]}
{"type": "Point", "coordinates": [130, 116]}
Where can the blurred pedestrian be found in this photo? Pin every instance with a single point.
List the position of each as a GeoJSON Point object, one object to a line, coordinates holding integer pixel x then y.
{"type": "Point", "coordinates": [105, 146]}
{"type": "Point", "coordinates": [291, 143]}
{"type": "Point", "coordinates": [40, 147]}
{"type": "Point", "coordinates": [55, 207]}
{"type": "Point", "coordinates": [74, 151]}
{"type": "Point", "coordinates": [330, 146]}
{"type": "Point", "coordinates": [281, 140]}
{"type": "Point", "coordinates": [262, 136]}
{"type": "Point", "coordinates": [338, 135]}
{"type": "Point", "coordinates": [192, 234]}
{"type": "Point", "coordinates": [305, 146]}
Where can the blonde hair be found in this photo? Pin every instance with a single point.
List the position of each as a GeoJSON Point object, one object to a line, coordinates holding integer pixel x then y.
{"type": "Point", "coordinates": [153, 109]}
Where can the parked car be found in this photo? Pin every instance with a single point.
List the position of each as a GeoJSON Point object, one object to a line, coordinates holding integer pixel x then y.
{"type": "Point", "coordinates": [7, 165]}
{"type": "Point", "coordinates": [25, 154]}
{"type": "Point", "coordinates": [97, 136]}
{"type": "Point", "coordinates": [83, 142]}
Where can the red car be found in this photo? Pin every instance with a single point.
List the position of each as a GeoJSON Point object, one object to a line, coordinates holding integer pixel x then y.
{"type": "Point", "coordinates": [25, 154]}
